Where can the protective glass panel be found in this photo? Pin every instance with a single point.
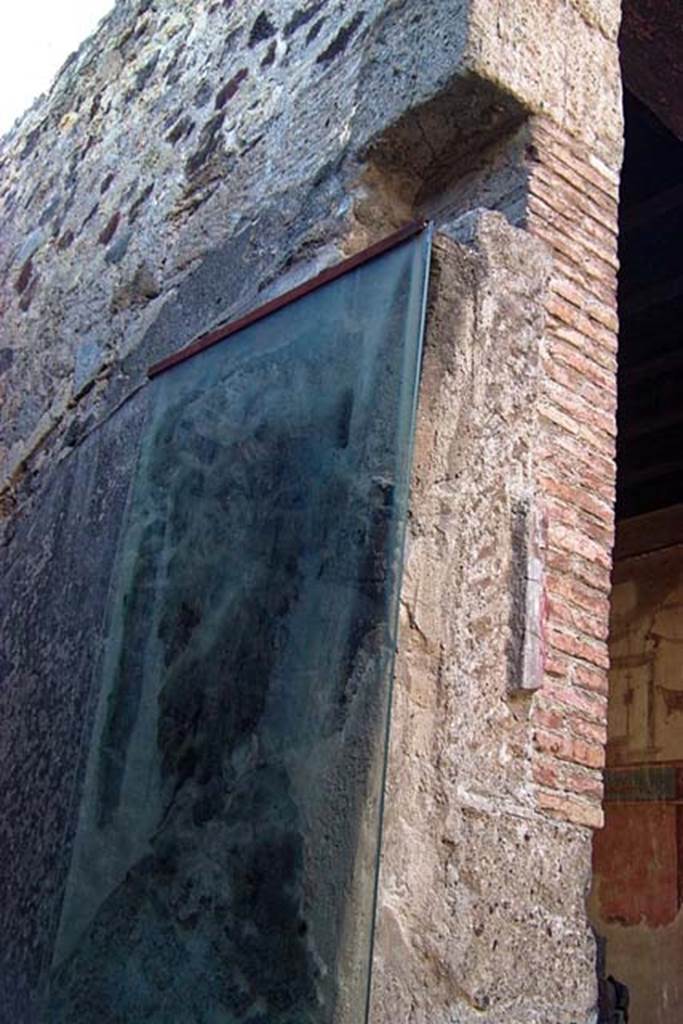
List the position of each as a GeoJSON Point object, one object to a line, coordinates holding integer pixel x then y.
{"type": "Point", "coordinates": [225, 861]}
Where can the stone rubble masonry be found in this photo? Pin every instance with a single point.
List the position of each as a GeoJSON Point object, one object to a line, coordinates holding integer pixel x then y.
{"type": "Point", "coordinates": [572, 207]}
{"type": "Point", "coordinates": [214, 148]}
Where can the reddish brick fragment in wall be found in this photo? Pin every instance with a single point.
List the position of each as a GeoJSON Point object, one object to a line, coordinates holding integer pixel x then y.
{"type": "Point", "coordinates": [586, 347]}
{"type": "Point", "coordinates": [591, 706]}
{"type": "Point", "coordinates": [569, 779]}
{"type": "Point", "coordinates": [575, 541]}
{"type": "Point", "coordinates": [587, 274]}
{"type": "Point", "coordinates": [590, 731]}
{"type": "Point", "coordinates": [589, 573]}
{"type": "Point", "coordinates": [571, 589]}
{"type": "Point", "coordinates": [560, 223]}
{"type": "Point", "coordinates": [566, 614]}
{"type": "Point", "coordinates": [572, 160]}
{"type": "Point", "coordinates": [574, 254]}
{"type": "Point", "coordinates": [578, 383]}
{"type": "Point", "coordinates": [567, 748]}
{"type": "Point", "coordinates": [583, 648]}
{"type": "Point", "coordinates": [572, 208]}
{"type": "Point", "coordinates": [591, 679]}
{"type": "Point", "coordinates": [566, 397]}
{"type": "Point", "coordinates": [573, 809]}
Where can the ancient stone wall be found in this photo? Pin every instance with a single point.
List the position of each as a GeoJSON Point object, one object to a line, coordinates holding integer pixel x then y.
{"type": "Point", "coordinates": [189, 155]}
{"type": "Point", "coordinates": [482, 911]}
{"type": "Point", "coordinates": [191, 161]}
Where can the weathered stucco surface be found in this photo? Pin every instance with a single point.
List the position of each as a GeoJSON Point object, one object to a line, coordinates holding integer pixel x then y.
{"type": "Point", "coordinates": [561, 58]}
{"type": "Point", "coordinates": [481, 900]}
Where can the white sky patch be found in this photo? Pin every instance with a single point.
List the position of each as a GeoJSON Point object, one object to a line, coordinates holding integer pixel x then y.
{"type": "Point", "coordinates": [36, 37]}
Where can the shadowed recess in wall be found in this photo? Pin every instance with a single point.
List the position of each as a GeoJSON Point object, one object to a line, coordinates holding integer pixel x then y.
{"type": "Point", "coordinates": [226, 855]}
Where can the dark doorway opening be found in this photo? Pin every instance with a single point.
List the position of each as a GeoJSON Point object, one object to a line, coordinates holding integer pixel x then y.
{"type": "Point", "coordinates": [649, 449]}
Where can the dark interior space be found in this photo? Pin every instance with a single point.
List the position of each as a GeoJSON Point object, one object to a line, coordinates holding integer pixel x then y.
{"type": "Point", "coordinates": [650, 417]}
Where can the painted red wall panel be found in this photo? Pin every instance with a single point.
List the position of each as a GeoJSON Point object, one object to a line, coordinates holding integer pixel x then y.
{"type": "Point", "coordinates": [635, 861]}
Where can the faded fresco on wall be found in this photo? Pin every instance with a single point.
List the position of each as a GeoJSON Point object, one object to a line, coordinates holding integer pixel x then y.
{"type": "Point", "coordinates": [638, 856]}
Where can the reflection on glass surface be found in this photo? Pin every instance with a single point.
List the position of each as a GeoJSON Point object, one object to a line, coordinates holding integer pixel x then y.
{"type": "Point", "coordinates": [225, 861]}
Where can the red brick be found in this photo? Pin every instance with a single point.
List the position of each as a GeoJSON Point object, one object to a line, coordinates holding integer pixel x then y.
{"type": "Point", "coordinates": [546, 773]}
{"type": "Point", "coordinates": [558, 418]}
{"type": "Point", "coordinates": [573, 195]}
{"type": "Point", "coordinates": [565, 240]}
{"type": "Point", "coordinates": [559, 150]}
{"type": "Point", "coordinates": [585, 301]}
{"type": "Point", "coordinates": [571, 514]}
{"type": "Point", "coordinates": [567, 250]}
{"type": "Point", "coordinates": [568, 748]}
{"type": "Point", "coordinates": [591, 678]}
{"type": "Point", "coordinates": [572, 459]}
{"type": "Point", "coordinates": [607, 173]}
{"type": "Point", "coordinates": [600, 247]}
{"type": "Point", "coordinates": [555, 743]}
{"type": "Point", "coordinates": [575, 475]}
{"type": "Point", "coordinates": [569, 588]}
{"type": "Point", "coordinates": [593, 339]}
{"type": "Point", "coordinates": [593, 732]}
{"type": "Point", "coordinates": [581, 408]}
{"type": "Point", "coordinates": [564, 614]}
{"type": "Point", "coordinates": [588, 277]}
{"type": "Point", "coordinates": [568, 538]}
{"type": "Point", "coordinates": [572, 809]}
{"type": "Point", "coordinates": [580, 781]}
{"type": "Point", "coordinates": [584, 345]}
{"type": "Point", "coordinates": [555, 229]}
{"type": "Point", "coordinates": [564, 423]}
{"type": "Point", "coordinates": [596, 237]}
{"type": "Point", "coordinates": [592, 706]}
{"type": "Point", "coordinates": [584, 783]}
{"type": "Point", "coordinates": [573, 380]}
{"type": "Point", "coordinates": [549, 719]}
{"type": "Point", "coordinates": [590, 573]}
{"type": "Point", "coordinates": [580, 463]}
{"type": "Point", "coordinates": [563, 353]}
{"type": "Point", "coordinates": [585, 648]}
{"type": "Point", "coordinates": [563, 417]}
{"type": "Point", "coordinates": [574, 317]}
{"type": "Point", "coordinates": [578, 496]}
{"type": "Point", "coordinates": [556, 665]}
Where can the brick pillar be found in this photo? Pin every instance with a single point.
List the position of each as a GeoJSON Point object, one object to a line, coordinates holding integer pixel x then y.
{"type": "Point", "coordinates": [573, 201]}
